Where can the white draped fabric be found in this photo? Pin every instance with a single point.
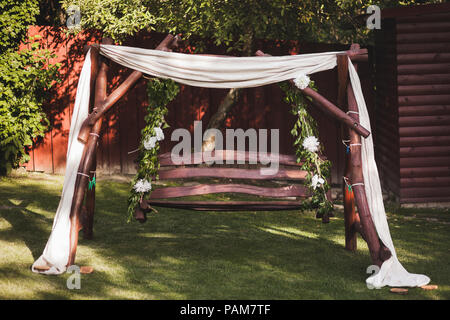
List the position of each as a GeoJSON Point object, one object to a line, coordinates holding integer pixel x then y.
{"type": "Point", "coordinates": [391, 273]}
{"type": "Point", "coordinates": [56, 252]}
{"type": "Point", "coordinates": [222, 72]}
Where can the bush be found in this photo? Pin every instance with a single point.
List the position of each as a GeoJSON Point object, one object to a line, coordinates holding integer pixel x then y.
{"type": "Point", "coordinates": [25, 77]}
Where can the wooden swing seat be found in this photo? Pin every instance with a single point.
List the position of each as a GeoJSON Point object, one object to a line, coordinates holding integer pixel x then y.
{"type": "Point", "coordinates": [288, 173]}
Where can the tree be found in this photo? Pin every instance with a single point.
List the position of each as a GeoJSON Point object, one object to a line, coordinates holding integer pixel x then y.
{"type": "Point", "coordinates": [25, 76]}
{"type": "Point", "coordinates": [234, 23]}
{"type": "Point", "coordinates": [239, 23]}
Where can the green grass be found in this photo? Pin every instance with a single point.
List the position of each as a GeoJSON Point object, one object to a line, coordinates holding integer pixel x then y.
{"type": "Point", "coordinates": [180, 254]}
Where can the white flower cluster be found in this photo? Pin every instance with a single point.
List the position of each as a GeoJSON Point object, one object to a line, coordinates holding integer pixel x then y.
{"type": "Point", "coordinates": [317, 181]}
{"type": "Point", "coordinates": [301, 81]}
{"type": "Point", "coordinates": [150, 142]}
{"type": "Point", "coordinates": [311, 144]}
{"type": "Point", "coordinates": [159, 133]}
{"type": "Point", "coordinates": [142, 186]}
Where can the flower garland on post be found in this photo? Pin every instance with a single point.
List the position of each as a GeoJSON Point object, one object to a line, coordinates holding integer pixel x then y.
{"type": "Point", "coordinates": [160, 93]}
{"type": "Point", "coordinates": [307, 146]}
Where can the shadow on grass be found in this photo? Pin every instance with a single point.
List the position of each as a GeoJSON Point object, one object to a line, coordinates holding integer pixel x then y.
{"type": "Point", "coordinates": [181, 254]}
{"type": "Point", "coordinates": [27, 225]}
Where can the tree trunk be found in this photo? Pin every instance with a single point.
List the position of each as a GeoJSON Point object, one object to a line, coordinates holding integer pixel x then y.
{"type": "Point", "coordinates": [219, 117]}
{"type": "Point", "coordinates": [230, 100]}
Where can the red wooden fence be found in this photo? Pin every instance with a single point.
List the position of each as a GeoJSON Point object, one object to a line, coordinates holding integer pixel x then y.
{"type": "Point", "coordinates": [258, 108]}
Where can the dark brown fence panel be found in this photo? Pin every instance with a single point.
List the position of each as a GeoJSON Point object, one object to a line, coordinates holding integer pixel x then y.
{"type": "Point", "coordinates": [420, 96]}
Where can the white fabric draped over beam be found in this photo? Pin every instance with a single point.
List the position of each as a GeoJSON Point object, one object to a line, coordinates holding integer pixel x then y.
{"type": "Point", "coordinates": [222, 72]}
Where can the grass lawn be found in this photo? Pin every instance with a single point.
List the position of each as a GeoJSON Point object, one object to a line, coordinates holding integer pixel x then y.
{"type": "Point", "coordinates": [180, 254]}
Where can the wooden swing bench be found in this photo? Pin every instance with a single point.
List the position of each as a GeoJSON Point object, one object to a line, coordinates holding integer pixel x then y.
{"type": "Point", "coordinates": [288, 174]}
{"type": "Point", "coordinates": [81, 216]}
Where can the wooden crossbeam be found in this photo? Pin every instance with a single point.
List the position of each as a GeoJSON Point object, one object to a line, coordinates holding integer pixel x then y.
{"type": "Point", "coordinates": [102, 107]}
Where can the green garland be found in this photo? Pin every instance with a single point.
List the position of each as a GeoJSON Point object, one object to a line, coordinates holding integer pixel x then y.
{"type": "Point", "coordinates": [160, 93]}
{"type": "Point", "coordinates": [317, 168]}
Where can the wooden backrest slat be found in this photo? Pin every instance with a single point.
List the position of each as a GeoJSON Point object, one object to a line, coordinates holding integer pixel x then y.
{"type": "Point", "coordinates": [233, 155]}
{"type": "Point", "coordinates": [231, 173]}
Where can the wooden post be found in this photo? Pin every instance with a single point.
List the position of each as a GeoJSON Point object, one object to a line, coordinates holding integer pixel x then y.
{"type": "Point", "coordinates": [88, 213]}
{"type": "Point", "coordinates": [350, 217]}
{"type": "Point", "coordinates": [87, 217]}
{"type": "Point", "coordinates": [99, 96]}
{"type": "Point", "coordinates": [87, 161]}
{"type": "Point", "coordinates": [378, 252]}
{"type": "Point", "coordinates": [92, 136]}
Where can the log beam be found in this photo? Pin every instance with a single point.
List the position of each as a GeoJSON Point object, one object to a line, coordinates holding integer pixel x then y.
{"type": "Point", "coordinates": [102, 107]}
{"type": "Point", "coordinates": [331, 109]}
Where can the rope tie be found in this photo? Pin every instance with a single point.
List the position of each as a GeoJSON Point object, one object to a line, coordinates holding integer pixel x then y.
{"type": "Point", "coordinates": [94, 134]}
{"type": "Point", "coordinates": [357, 184]}
{"type": "Point", "coordinates": [130, 152]}
{"type": "Point", "coordinates": [349, 186]}
{"type": "Point", "coordinates": [91, 182]}
{"type": "Point", "coordinates": [347, 147]}
{"type": "Point", "coordinates": [84, 174]}
{"type": "Point", "coordinates": [354, 112]}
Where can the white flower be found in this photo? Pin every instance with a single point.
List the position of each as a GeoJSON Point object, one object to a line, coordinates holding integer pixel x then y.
{"type": "Point", "coordinates": [149, 143]}
{"type": "Point", "coordinates": [159, 134]}
{"type": "Point", "coordinates": [311, 144]}
{"type": "Point", "coordinates": [317, 181]}
{"type": "Point", "coordinates": [301, 81]}
{"type": "Point", "coordinates": [142, 185]}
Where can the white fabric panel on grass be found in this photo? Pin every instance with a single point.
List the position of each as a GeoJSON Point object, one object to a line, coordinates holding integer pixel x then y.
{"type": "Point", "coordinates": [56, 252]}
{"type": "Point", "coordinates": [223, 72]}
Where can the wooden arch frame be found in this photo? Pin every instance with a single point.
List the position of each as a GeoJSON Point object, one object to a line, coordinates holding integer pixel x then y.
{"type": "Point", "coordinates": [81, 217]}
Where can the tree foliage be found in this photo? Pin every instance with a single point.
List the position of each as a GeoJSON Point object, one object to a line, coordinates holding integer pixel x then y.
{"type": "Point", "coordinates": [25, 76]}
{"type": "Point", "coordinates": [15, 17]}
{"type": "Point", "coordinates": [234, 23]}
{"type": "Point", "coordinates": [116, 18]}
